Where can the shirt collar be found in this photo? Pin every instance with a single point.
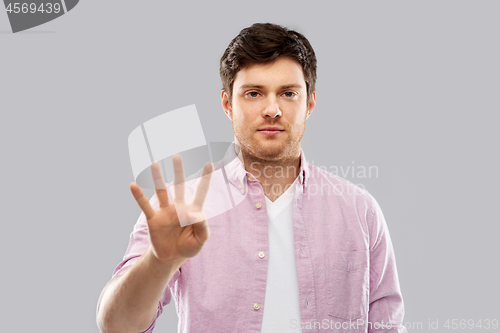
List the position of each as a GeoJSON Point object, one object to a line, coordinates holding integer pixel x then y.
{"type": "Point", "coordinates": [236, 173]}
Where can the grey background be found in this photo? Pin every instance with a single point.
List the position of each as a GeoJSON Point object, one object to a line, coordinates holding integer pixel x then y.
{"type": "Point", "coordinates": [410, 87]}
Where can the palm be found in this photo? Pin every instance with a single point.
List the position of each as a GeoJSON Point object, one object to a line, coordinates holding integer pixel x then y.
{"type": "Point", "coordinates": [177, 230]}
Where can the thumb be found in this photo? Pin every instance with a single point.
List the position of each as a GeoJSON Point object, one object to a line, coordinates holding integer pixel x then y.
{"type": "Point", "coordinates": [199, 222]}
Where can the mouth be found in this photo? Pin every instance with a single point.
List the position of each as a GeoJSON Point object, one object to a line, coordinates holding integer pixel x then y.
{"type": "Point", "coordinates": [270, 130]}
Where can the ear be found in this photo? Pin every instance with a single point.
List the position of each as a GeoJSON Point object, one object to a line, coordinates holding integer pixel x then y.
{"type": "Point", "coordinates": [312, 104]}
{"type": "Point", "coordinates": [226, 105]}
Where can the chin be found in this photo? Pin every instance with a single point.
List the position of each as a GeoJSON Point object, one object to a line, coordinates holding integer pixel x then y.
{"type": "Point", "coordinates": [270, 150]}
{"type": "Point", "coordinates": [267, 149]}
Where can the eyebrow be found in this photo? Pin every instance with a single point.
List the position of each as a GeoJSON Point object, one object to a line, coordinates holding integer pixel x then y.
{"type": "Point", "coordinates": [286, 86]}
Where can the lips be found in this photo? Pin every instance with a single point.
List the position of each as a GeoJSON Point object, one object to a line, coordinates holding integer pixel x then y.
{"type": "Point", "coordinates": [270, 130]}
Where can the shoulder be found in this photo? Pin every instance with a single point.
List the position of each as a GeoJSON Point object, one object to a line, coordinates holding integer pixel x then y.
{"type": "Point", "coordinates": [343, 192]}
{"type": "Point", "coordinates": [321, 177]}
{"type": "Point", "coordinates": [350, 198]}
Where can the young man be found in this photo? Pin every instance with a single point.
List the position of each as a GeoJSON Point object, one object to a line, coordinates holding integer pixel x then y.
{"type": "Point", "coordinates": [301, 251]}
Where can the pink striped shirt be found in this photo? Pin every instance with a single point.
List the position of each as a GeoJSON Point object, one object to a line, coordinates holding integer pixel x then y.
{"type": "Point", "coordinates": [344, 257]}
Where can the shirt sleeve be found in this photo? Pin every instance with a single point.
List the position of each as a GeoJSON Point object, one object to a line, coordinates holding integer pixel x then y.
{"type": "Point", "coordinates": [138, 245]}
{"type": "Point", "coordinates": [386, 309]}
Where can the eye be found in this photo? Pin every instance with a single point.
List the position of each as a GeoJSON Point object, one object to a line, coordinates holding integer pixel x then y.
{"type": "Point", "coordinates": [289, 92]}
{"type": "Point", "coordinates": [253, 92]}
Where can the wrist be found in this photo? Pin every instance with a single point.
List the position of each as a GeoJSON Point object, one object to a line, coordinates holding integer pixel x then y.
{"type": "Point", "coordinates": [154, 261]}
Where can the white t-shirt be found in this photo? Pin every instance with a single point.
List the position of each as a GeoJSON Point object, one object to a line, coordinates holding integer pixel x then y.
{"type": "Point", "coordinates": [281, 304]}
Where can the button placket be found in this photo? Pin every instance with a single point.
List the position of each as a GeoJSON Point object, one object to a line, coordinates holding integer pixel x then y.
{"type": "Point", "coordinates": [256, 197]}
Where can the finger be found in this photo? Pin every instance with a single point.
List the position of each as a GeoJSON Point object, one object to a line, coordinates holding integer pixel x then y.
{"type": "Point", "coordinates": [203, 185]}
{"type": "Point", "coordinates": [160, 186]}
{"type": "Point", "coordinates": [191, 218]}
{"type": "Point", "coordinates": [195, 217]}
{"type": "Point", "coordinates": [179, 177]}
{"type": "Point", "coordinates": [142, 200]}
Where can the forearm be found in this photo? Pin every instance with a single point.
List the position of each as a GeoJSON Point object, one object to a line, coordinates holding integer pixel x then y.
{"type": "Point", "coordinates": [130, 301]}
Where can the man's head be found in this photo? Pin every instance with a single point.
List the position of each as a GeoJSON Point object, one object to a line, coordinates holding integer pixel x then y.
{"type": "Point", "coordinates": [268, 75]}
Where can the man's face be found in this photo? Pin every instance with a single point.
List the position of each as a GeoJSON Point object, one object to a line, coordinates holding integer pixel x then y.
{"type": "Point", "coordinates": [269, 109]}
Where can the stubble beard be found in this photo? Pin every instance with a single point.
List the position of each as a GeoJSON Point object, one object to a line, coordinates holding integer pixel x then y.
{"type": "Point", "coordinates": [271, 151]}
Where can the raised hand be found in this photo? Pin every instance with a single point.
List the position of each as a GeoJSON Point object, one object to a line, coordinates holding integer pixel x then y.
{"type": "Point", "coordinates": [177, 230]}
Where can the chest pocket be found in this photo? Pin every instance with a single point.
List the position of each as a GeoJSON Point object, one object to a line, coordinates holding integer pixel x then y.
{"type": "Point", "coordinates": [348, 284]}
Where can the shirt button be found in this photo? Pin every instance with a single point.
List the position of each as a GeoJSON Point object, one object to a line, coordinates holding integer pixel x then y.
{"type": "Point", "coordinates": [250, 178]}
{"type": "Point", "coordinates": [240, 186]}
{"type": "Point", "coordinates": [256, 306]}
{"type": "Point", "coordinates": [261, 255]}
{"type": "Point", "coordinates": [258, 205]}
{"type": "Point", "coordinates": [305, 184]}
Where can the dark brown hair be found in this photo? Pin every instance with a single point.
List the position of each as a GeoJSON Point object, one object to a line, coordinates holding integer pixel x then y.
{"type": "Point", "coordinates": [264, 43]}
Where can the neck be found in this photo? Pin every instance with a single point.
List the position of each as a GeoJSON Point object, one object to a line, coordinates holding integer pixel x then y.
{"type": "Point", "coordinates": [275, 176]}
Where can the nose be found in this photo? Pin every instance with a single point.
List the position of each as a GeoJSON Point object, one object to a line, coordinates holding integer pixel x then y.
{"type": "Point", "coordinates": [272, 110]}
